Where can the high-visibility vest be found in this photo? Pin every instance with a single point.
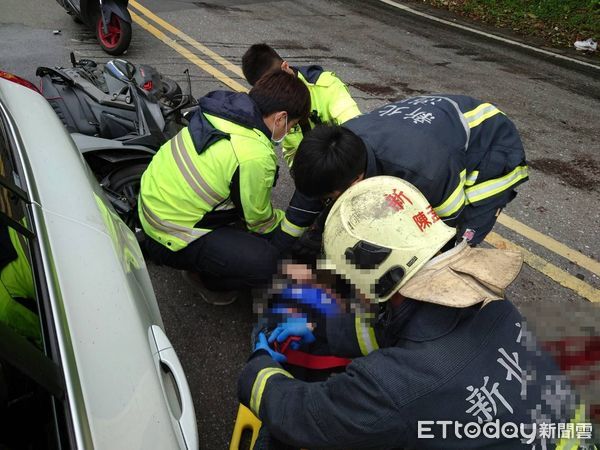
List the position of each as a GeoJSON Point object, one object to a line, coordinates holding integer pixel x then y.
{"type": "Point", "coordinates": [182, 184]}
{"type": "Point", "coordinates": [330, 102]}
{"type": "Point", "coordinates": [16, 281]}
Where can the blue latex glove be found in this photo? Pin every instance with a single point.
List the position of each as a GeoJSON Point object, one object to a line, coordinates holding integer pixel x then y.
{"type": "Point", "coordinates": [262, 344]}
{"type": "Point", "coordinates": [294, 326]}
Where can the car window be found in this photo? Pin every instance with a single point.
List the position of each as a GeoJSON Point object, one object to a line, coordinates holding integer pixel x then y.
{"type": "Point", "coordinates": [31, 386]}
{"type": "Point", "coordinates": [18, 304]}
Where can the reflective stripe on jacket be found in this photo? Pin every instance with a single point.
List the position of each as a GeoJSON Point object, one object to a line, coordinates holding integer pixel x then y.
{"type": "Point", "coordinates": [330, 102]}
{"type": "Point", "coordinates": [183, 183]}
{"type": "Point", "coordinates": [435, 364]}
{"type": "Point", "coordinates": [455, 149]}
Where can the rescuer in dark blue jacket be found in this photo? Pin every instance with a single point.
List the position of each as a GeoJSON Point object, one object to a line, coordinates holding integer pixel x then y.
{"type": "Point", "coordinates": [464, 155]}
{"type": "Point", "coordinates": [442, 360]}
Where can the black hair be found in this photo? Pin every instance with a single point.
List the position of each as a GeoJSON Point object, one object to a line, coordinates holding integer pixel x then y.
{"type": "Point", "coordinates": [258, 60]}
{"type": "Point", "coordinates": [281, 91]}
{"type": "Point", "coordinates": [329, 159]}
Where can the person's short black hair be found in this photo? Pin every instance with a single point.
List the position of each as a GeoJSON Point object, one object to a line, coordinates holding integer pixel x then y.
{"type": "Point", "coordinates": [258, 60]}
{"type": "Point", "coordinates": [281, 91]}
{"type": "Point", "coordinates": [329, 159]}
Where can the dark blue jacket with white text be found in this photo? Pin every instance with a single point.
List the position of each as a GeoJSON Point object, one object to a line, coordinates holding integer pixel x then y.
{"type": "Point", "coordinates": [419, 365]}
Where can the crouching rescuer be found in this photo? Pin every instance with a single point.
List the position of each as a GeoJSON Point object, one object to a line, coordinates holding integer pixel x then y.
{"type": "Point", "coordinates": [440, 358]}
{"type": "Point", "coordinates": [465, 156]}
{"type": "Point", "coordinates": [205, 199]}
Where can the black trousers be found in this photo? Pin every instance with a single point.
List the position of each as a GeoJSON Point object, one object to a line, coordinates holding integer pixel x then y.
{"type": "Point", "coordinates": [227, 258]}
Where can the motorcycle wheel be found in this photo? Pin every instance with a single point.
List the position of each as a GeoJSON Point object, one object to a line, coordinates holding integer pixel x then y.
{"type": "Point", "coordinates": [125, 182]}
{"type": "Point", "coordinates": [118, 37]}
{"type": "Point", "coordinates": [171, 91]}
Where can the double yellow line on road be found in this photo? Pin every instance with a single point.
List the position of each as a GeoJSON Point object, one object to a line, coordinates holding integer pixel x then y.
{"type": "Point", "coordinates": [142, 17]}
{"type": "Point", "coordinates": [183, 51]}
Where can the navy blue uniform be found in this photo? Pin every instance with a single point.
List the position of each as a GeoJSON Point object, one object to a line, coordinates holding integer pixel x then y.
{"type": "Point", "coordinates": [464, 155]}
{"type": "Point", "coordinates": [423, 365]}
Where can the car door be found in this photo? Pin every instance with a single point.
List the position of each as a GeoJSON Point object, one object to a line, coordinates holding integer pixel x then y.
{"type": "Point", "coordinates": [33, 411]}
{"type": "Point", "coordinates": [92, 310]}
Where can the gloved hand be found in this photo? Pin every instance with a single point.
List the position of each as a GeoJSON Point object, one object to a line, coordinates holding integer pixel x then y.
{"type": "Point", "coordinates": [262, 344]}
{"type": "Point", "coordinates": [294, 326]}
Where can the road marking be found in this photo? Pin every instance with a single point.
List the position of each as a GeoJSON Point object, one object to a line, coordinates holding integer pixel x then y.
{"type": "Point", "coordinates": [188, 54]}
{"type": "Point", "coordinates": [550, 243]}
{"type": "Point", "coordinates": [538, 263]}
{"type": "Point", "coordinates": [197, 45]}
{"type": "Point", "coordinates": [489, 35]}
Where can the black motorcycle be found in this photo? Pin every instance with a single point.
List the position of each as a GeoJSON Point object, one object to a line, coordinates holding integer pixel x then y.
{"type": "Point", "coordinates": [109, 19]}
{"type": "Point", "coordinates": [118, 115]}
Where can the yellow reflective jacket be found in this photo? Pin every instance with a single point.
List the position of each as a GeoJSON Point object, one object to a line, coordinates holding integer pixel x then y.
{"type": "Point", "coordinates": [330, 102]}
{"type": "Point", "coordinates": [215, 165]}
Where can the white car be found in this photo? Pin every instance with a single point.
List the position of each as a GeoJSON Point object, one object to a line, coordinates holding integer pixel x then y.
{"type": "Point", "coordinates": [99, 372]}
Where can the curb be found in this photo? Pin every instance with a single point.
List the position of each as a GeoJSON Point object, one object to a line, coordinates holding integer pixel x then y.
{"type": "Point", "coordinates": [495, 37]}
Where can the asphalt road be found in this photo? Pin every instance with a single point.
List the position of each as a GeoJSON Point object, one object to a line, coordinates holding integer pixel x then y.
{"type": "Point", "coordinates": [383, 54]}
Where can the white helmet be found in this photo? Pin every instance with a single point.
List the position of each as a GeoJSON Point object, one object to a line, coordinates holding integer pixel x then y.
{"type": "Point", "coordinates": [379, 233]}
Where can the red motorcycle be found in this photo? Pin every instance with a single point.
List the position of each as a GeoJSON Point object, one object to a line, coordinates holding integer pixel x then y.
{"type": "Point", "coordinates": [110, 20]}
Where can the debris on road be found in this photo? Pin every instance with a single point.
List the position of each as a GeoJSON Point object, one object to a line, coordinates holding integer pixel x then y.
{"type": "Point", "coordinates": [589, 45]}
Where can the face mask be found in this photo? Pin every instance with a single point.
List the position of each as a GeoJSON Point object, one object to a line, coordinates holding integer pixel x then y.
{"type": "Point", "coordinates": [278, 141]}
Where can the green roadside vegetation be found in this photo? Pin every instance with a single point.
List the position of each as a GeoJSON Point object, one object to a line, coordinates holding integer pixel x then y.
{"type": "Point", "coordinates": [559, 23]}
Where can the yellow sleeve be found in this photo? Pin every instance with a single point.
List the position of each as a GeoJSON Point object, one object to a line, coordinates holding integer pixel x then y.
{"type": "Point", "coordinates": [341, 106]}
{"type": "Point", "coordinates": [291, 143]}
{"type": "Point", "coordinates": [257, 177]}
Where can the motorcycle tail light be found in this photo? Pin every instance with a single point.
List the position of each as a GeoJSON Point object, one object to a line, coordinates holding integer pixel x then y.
{"type": "Point", "coordinates": [18, 80]}
{"type": "Point", "coordinates": [148, 85]}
